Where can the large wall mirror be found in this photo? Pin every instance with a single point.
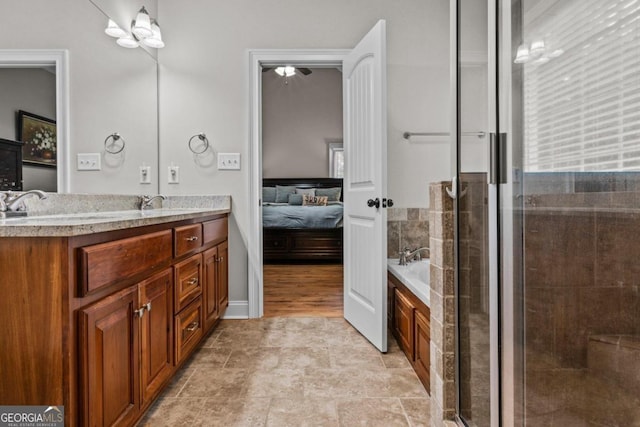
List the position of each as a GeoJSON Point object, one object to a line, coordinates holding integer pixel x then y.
{"type": "Point", "coordinates": [109, 89]}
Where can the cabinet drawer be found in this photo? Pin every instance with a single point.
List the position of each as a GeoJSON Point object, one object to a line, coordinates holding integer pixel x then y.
{"type": "Point", "coordinates": [215, 231]}
{"type": "Point", "coordinates": [188, 283]}
{"type": "Point", "coordinates": [187, 238]}
{"type": "Point", "coordinates": [275, 243]}
{"type": "Point", "coordinates": [188, 327]}
{"type": "Point", "coordinates": [106, 263]}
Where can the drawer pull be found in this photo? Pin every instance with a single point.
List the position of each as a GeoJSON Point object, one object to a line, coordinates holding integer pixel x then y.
{"type": "Point", "coordinates": [191, 239]}
{"type": "Point", "coordinates": [139, 312]}
{"type": "Point", "coordinates": [221, 259]}
{"type": "Point", "coordinates": [193, 326]}
{"type": "Point", "coordinates": [192, 281]}
{"type": "Point", "coordinates": [147, 306]}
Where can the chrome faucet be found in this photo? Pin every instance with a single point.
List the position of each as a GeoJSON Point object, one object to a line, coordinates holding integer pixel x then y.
{"type": "Point", "coordinates": [13, 202]}
{"type": "Point", "coordinates": [407, 255]}
{"type": "Point", "coordinates": [146, 202]}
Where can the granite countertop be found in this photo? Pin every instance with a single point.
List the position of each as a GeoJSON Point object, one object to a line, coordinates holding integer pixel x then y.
{"type": "Point", "coordinates": [48, 218]}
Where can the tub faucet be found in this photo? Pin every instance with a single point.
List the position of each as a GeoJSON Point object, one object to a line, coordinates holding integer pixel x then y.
{"type": "Point", "coordinates": [146, 202]}
{"type": "Point", "coordinates": [407, 255]}
{"type": "Point", "coordinates": [15, 202]}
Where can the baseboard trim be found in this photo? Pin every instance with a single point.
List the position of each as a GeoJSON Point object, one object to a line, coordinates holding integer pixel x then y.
{"type": "Point", "coordinates": [237, 310]}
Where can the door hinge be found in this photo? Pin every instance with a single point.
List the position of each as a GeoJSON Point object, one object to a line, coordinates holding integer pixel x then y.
{"type": "Point", "coordinates": [498, 158]}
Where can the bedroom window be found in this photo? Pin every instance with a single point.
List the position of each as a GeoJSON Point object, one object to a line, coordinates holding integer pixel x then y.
{"type": "Point", "coordinates": [336, 160]}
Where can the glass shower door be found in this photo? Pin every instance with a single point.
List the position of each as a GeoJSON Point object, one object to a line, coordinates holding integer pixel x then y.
{"type": "Point", "coordinates": [569, 101]}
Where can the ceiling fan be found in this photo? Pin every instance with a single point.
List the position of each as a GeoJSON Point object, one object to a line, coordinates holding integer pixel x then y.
{"type": "Point", "coordinates": [288, 70]}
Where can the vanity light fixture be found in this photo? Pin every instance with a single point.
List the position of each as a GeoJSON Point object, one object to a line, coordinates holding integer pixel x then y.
{"type": "Point", "coordinates": [141, 27]}
{"type": "Point", "coordinates": [114, 30]}
{"type": "Point", "coordinates": [523, 54]}
{"type": "Point", "coordinates": [144, 30]}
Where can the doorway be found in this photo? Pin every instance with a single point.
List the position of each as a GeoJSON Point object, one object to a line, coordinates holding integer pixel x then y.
{"type": "Point", "coordinates": [57, 62]}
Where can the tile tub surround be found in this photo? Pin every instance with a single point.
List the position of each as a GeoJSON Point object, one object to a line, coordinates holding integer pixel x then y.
{"type": "Point", "coordinates": [407, 227]}
{"type": "Point", "coordinates": [443, 387]}
{"type": "Point", "coordinates": [292, 372]}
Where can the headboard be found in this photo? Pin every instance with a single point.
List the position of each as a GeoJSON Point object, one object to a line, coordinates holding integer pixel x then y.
{"type": "Point", "coordinates": [304, 182]}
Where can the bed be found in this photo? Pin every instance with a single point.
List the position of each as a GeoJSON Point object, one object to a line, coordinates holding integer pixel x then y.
{"type": "Point", "coordinates": [295, 233]}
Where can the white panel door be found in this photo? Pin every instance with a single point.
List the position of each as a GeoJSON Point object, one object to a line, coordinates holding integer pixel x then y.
{"type": "Point", "coordinates": [365, 226]}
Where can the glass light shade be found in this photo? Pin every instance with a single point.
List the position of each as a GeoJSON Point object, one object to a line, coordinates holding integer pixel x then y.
{"type": "Point", "coordinates": [114, 30]}
{"type": "Point", "coordinates": [523, 54]}
{"type": "Point", "coordinates": [537, 48]}
{"type": "Point", "coordinates": [286, 71]}
{"type": "Point", "coordinates": [556, 53]}
{"type": "Point", "coordinates": [155, 41]}
{"type": "Point", "coordinates": [128, 41]}
{"type": "Point", "coordinates": [142, 25]}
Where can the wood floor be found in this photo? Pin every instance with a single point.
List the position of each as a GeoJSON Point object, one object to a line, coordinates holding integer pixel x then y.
{"type": "Point", "coordinates": [303, 290]}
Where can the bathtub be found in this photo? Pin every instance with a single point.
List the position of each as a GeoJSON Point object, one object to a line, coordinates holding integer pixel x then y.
{"type": "Point", "coordinates": [414, 275]}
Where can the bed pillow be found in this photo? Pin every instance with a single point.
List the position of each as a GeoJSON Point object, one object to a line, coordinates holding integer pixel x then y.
{"type": "Point", "coordinates": [314, 200]}
{"type": "Point", "coordinates": [333, 194]}
{"type": "Point", "coordinates": [307, 191]}
{"type": "Point", "coordinates": [283, 191]}
{"type": "Point", "coordinates": [268, 194]}
{"type": "Point", "coordinates": [295, 199]}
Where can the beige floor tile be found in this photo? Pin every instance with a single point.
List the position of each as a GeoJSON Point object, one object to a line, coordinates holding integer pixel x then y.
{"type": "Point", "coordinates": [334, 383]}
{"type": "Point", "coordinates": [253, 358]}
{"type": "Point", "coordinates": [179, 380]}
{"type": "Point", "coordinates": [240, 338]}
{"type": "Point", "coordinates": [215, 382]}
{"type": "Point", "coordinates": [275, 383]}
{"type": "Point", "coordinates": [302, 413]}
{"type": "Point", "coordinates": [248, 412]}
{"type": "Point", "coordinates": [371, 412]}
{"type": "Point", "coordinates": [418, 411]}
{"type": "Point", "coordinates": [174, 412]}
{"type": "Point", "coordinates": [213, 336]}
{"type": "Point", "coordinates": [394, 383]}
{"type": "Point", "coordinates": [294, 338]}
{"type": "Point", "coordinates": [351, 357]}
{"type": "Point", "coordinates": [304, 357]}
{"type": "Point", "coordinates": [210, 357]}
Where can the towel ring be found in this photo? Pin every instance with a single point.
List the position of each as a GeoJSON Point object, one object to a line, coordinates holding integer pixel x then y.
{"type": "Point", "coordinates": [109, 147]}
{"type": "Point", "coordinates": [202, 137]}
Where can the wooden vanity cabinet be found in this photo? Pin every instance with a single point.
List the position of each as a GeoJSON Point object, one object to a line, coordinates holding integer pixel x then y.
{"type": "Point", "coordinates": [106, 323]}
{"type": "Point", "coordinates": [410, 325]}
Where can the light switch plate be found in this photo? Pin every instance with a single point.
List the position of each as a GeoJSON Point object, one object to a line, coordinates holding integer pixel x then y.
{"type": "Point", "coordinates": [228, 161]}
{"type": "Point", "coordinates": [145, 174]}
{"type": "Point", "coordinates": [89, 162]}
{"type": "Point", "coordinates": [173, 175]}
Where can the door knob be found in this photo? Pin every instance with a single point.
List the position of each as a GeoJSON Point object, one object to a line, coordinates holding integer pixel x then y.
{"type": "Point", "coordinates": [371, 203]}
{"type": "Point", "coordinates": [387, 203]}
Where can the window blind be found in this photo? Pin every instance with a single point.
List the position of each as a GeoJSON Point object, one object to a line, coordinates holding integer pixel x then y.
{"type": "Point", "coordinates": [582, 105]}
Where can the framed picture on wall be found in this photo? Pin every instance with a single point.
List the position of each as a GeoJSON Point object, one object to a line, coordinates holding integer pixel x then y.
{"type": "Point", "coordinates": [40, 140]}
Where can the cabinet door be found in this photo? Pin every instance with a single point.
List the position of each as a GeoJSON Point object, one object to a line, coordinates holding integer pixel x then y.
{"type": "Point", "coordinates": [210, 287]}
{"type": "Point", "coordinates": [188, 281]}
{"type": "Point", "coordinates": [223, 276]}
{"type": "Point", "coordinates": [110, 351]}
{"type": "Point", "coordinates": [422, 348]}
{"type": "Point", "coordinates": [156, 332]}
{"type": "Point", "coordinates": [403, 323]}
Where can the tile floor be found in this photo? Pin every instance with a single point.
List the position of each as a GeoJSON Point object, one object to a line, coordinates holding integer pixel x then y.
{"type": "Point", "coordinates": [292, 372]}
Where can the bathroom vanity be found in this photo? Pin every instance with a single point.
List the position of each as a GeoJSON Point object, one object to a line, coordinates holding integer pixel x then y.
{"type": "Point", "coordinates": [99, 313]}
{"type": "Point", "coordinates": [409, 322]}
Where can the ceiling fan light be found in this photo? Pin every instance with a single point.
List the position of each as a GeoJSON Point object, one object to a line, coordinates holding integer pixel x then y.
{"type": "Point", "coordinates": [114, 30]}
{"type": "Point", "coordinates": [142, 25]}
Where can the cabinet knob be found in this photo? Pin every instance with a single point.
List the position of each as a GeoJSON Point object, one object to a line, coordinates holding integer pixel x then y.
{"type": "Point", "coordinates": [193, 326]}
{"type": "Point", "coordinates": [147, 306]}
{"type": "Point", "coordinates": [191, 238]}
{"type": "Point", "coordinates": [139, 312]}
{"type": "Point", "coordinates": [193, 281]}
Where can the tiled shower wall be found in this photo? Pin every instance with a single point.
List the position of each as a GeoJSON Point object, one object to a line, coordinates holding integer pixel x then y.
{"type": "Point", "coordinates": [582, 271]}
{"type": "Point", "coordinates": [407, 228]}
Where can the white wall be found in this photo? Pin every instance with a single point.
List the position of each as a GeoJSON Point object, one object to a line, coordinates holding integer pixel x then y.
{"type": "Point", "coordinates": [32, 90]}
{"type": "Point", "coordinates": [112, 89]}
{"type": "Point", "coordinates": [297, 119]}
{"type": "Point", "coordinates": [204, 88]}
